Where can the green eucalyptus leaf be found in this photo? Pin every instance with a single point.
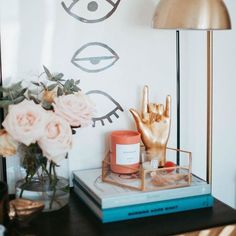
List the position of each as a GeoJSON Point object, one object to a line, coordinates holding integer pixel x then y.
{"type": "Point", "coordinates": [6, 98]}
{"type": "Point", "coordinates": [76, 89]}
{"type": "Point", "coordinates": [34, 92]}
{"type": "Point", "coordinates": [5, 103]}
{"type": "Point", "coordinates": [16, 94]}
{"type": "Point", "coordinates": [67, 84]}
{"type": "Point", "coordinates": [19, 99]}
{"type": "Point", "coordinates": [47, 106]}
{"type": "Point", "coordinates": [69, 92]}
{"type": "Point", "coordinates": [36, 100]}
{"type": "Point", "coordinates": [48, 73]}
{"type": "Point", "coordinates": [16, 86]}
{"type": "Point", "coordinates": [59, 91]}
{"type": "Point", "coordinates": [4, 90]}
{"type": "Point", "coordinates": [44, 86]}
{"type": "Point", "coordinates": [13, 95]}
{"type": "Point", "coordinates": [59, 76]}
{"type": "Point", "coordinates": [22, 92]}
{"type": "Point", "coordinates": [51, 87]}
{"type": "Point", "coordinates": [35, 83]}
{"type": "Point", "coordinates": [54, 79]}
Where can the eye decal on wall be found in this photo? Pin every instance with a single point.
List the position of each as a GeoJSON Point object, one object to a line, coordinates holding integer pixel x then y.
{"type": "Point", "coordinates": [91, 11]}
{"type": "Point", "coordinates": [94, 57]}
{"type": "Point", "coordinates": [105, 107]}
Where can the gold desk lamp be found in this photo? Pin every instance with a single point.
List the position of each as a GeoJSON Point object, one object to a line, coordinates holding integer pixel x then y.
{"type": "Point", "coordinates": [205, 15]}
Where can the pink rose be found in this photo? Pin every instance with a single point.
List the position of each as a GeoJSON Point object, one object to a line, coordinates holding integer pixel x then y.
{"type": "Point", "coordinates": [8, 145]}
{"type": "Point", "coordinates": [77, 109]}
{"type": "Point", "coordinates": [25, 122]}
{"type": "Point", "coordinates": [57, 139]}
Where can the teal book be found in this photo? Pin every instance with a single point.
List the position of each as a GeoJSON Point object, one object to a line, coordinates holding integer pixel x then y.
{"type": "Point", "coordinates": [145, 209]}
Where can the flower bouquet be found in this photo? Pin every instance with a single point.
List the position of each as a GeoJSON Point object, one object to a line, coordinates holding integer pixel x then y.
{"type": "Point", "coordinates": [38, 126]}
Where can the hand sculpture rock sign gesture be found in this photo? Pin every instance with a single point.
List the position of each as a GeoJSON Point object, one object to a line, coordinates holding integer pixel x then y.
{"type": "Point", "coordinates": [154, 125]}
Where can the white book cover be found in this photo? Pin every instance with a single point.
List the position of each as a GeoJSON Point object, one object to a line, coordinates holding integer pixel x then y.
{"type": "Point", "coordinates": [110, 196]}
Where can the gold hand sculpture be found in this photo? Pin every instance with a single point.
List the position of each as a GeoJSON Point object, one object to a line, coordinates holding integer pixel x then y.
{"type": "Point", "coordinates": [24, 210]}
{"type": "Point", "coordinates": [154, 126]}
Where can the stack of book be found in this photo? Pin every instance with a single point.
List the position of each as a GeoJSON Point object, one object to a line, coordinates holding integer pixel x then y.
{"type": "Point", "coordinates": [113, 203]}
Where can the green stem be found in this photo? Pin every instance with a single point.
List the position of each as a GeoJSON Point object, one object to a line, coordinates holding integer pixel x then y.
{"type": "Point", "coordinates": [11, 95]}
{"type": "Point", "coordinates": [46, 171]}
{"type": "Point", "coordinates": [50, 171]}
{"type": "Point", "coordinates": [27, 180]}
{"type": "Point", "coordinates": [54, 183]}
{"type": "Point", "coordinates": [54, 171]}
{"type": "Point", "coordinates": [22, 187]}
{"type": "Point", "coordinates": [60, 83]}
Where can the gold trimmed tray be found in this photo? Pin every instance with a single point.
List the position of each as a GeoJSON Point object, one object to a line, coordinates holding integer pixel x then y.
{"type": "Point", "coordinates": [152, 179]}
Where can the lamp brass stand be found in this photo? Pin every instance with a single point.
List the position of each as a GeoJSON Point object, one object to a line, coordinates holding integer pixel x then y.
{"type": "Point", "coordinates": [209, 105]}
{"type": "Point", "coordinates": [205, 15]}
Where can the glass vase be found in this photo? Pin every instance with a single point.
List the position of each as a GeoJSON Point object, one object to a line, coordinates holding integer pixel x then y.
{"type": "Point", "coordinates": [43, 180]}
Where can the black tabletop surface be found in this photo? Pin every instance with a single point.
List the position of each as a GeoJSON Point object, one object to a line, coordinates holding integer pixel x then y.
{"type": "Point", "coordinates": [77, 219]}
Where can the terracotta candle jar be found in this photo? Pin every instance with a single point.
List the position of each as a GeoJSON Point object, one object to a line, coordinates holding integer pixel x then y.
{"type": "Point", "coordinates": [125, 151]}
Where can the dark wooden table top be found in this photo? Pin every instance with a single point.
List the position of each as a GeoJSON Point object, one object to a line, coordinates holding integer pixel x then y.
{"type": "Point", "coordinates": [77, 219]}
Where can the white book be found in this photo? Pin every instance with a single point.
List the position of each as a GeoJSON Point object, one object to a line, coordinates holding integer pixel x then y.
{"type": "Point", "coordinates": [110, 196]}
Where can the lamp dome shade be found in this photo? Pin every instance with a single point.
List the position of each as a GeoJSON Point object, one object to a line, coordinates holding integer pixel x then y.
{"type": "Point", "coordinates": [191, 14]}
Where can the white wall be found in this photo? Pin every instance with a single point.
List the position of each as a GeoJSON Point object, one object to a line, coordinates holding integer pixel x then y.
{"type": "Point", "coordinates": [225, 112]}
{"type": "Point", "coordinates": [193, 78]}
{"type": "Point", "coordinates": [40, 32]}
